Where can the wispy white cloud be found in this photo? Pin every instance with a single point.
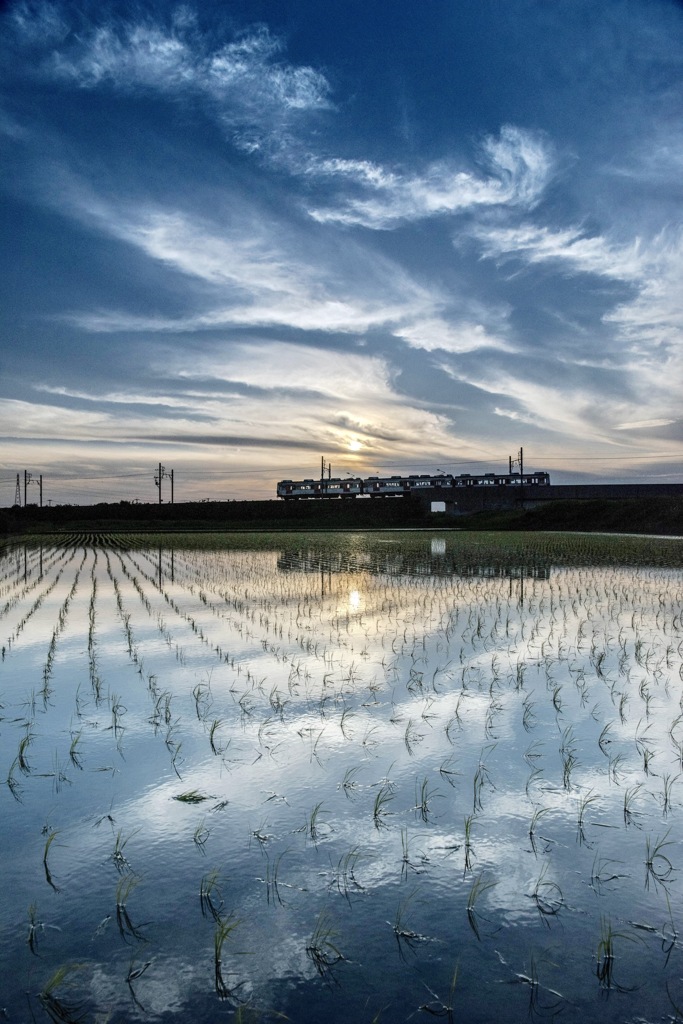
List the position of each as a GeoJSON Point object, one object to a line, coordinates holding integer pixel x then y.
{"type": "Point", "coordinates": [39, 24]}
{"type": "Point", "coordinates": [259, 271]}
{"type": "Point", "coordinates": [570, 246]}
{"type": "Point", "coordinates": [643, 424]}
{"type": "Point", "coordinates": [248, 83]}
{"type": "Point", "coordinates": [652, 322]}
{"type": "Point", "coordinates": [650, 325]}
{"type": "Point", "coordinates": [519, 164]}
{"type": "Point", "coordinates": [436, 334]}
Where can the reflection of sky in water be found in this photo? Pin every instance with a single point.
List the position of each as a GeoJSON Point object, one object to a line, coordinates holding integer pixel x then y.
{"type": "Point", "coordinates": [391, 732]}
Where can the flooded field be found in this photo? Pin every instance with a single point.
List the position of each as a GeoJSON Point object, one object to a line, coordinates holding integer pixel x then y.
{"type": "Point", "coordinates": [342, 777]}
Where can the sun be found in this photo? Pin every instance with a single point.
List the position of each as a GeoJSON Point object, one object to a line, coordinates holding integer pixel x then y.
{"type": "Point", "coordinates": [355, 445]}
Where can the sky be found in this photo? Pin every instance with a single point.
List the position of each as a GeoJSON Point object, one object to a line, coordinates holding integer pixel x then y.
{"type": "Point", "coordinates": [399, 235]}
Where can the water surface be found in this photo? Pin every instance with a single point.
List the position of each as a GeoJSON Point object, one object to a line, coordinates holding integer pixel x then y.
{"type": "Point", "coordinates": [368, 777]}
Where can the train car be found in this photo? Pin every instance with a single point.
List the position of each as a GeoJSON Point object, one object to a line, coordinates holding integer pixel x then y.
{"type": "Point", "coordinates": [379, 486]}
{"type": "Point", "coordinates": [324, 488]}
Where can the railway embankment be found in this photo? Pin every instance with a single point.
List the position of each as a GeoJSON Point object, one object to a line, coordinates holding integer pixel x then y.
{"type": "Point", "coordinates": [656, 514]}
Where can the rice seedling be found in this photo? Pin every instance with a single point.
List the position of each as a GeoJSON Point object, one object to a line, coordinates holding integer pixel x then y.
{"type": "Point", "coordinates": [407, 861]}
{"type": "Point", "coordinates": [24, 743]}
{"type": "Point", "coordinates": [405, 936]}
{"type": "Point", "coordinates": [118, 855]}
{"type": "Point", "coordinates": [380, 811]}
{"type": "Point", "coordinates": [345, 880]}
{"type": "Point", "coordinates": [481, 778]}
{"type": "Point", "coordinates": [478, 887]}
{"type": "Point", "coordinates": [272, 880]}
{"type": "Point", "coordinates": [411, 737]}
{"type": "Point", "coordinates": [658, 868]}
{"type": "Point", "coordinates": [210, 895]}
{"type": "Point", "coordinates": [605, 956]}
{"type": "Point", "coordinates": [604, 739]}
{"type": "Point", "coordinates": [322, 948]}
{"type": "Point", "coordinates": [118, 710]}
{"type": "Point", "coordinates": [52, 834]}
{"type": "Point", "coordinates": [216, 748]}
{"type": "Point", "coordinates": [349, 785]}
{"type": "Point", "coordinates": [203, 699]}
{"type": "Point", "coordinates": [533, 753]}
{"type": "Point", "coordinates": [669, 933]}
{"type": "Point", "coordinates": [192, 796]}
{"type": "Point", "coordinates": [263, 838]}
{"type": "Point", "coordinates": [442, 1008]}
{"type": "Point", "coordinates": [602, 873]}
{"type": "Point", "coordinates": [547, 895]}
{"type": "Point", "coordinates": [584, 802]}
{"type": "Point", "coordinates": [468, 842]}
{"type": "Point", "coordinates": [667, 786]}
{"type": "Point", "coordinates": [57, 1009]}
{"type": "Point", "coordinates": [12, 782]}
{"type": "Point", "coordinates": [74, 753]}
{"type": "Point", "coordinates": [314, 824]}
{"type": "Point", "coordinates": [423, 797]}
{"type": "Point", "coordinates": [34, 927]}
{"type": "Point", "coordinates": [629, 797]}
{"type": "Point", "coordinates": [536, 1008]}
{"type": "Point", "coordinates": [448, 771]}
{"type": "Point", "coordinates": [134, 973]}
{"type": "Point", "coordinates": [568, 755]}
{"type": "Point", "coordinates": [223, 931]}
{"type": "Point", "coordinates": [539, 812]}
{"type": "Point", "coordinates": [124, 888]}
{"type": "Point", "coordinates": [344, 723]}
{"type": "Point", "coordinates": [201, 836]}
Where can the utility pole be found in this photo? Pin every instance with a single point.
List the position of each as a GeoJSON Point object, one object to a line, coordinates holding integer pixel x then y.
{"type": "Point", "coordinates": [17, 493]}
{"type": "Point", "coordinates": [157, 480]}
{"type": "Point", "coordinates": [27, 481]}
{"type": "Point", "coordinates": [160, 476]}
{"type": "Point", "coordinates": [41, 489]}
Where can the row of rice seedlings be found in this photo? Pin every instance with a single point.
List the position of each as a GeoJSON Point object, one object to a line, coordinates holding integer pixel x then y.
{"type": "Point", "coordinates": [57, 632]}
{"type": "Point", "coordinates": [37, 604]}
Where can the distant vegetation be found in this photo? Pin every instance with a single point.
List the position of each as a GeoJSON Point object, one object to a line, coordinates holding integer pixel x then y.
{"type": "Point", "coordinates": [657, 515]}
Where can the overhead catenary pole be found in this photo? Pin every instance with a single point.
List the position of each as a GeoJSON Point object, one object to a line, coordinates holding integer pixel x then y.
{"type": "Point", "coordinates": [519, 461]}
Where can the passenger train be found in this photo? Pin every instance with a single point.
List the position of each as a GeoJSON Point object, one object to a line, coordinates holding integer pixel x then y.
{"type": "Point", "coordinates": [399, 486]}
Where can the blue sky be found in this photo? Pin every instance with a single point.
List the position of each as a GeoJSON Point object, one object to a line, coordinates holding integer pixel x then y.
{"type": "Point", "coordinates": [400, 235]}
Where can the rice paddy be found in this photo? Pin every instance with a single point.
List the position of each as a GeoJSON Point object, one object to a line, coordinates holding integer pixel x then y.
{"type": "Point", "coordinates": [378, 777]}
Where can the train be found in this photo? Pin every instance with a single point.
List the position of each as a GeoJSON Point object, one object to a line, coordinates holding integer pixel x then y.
{"type": "Point", "coordinates": [400, 486]}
